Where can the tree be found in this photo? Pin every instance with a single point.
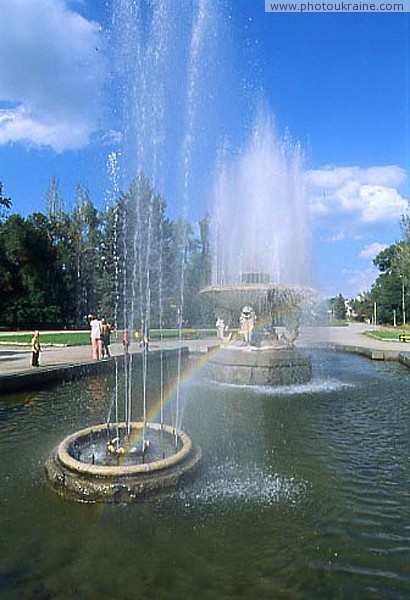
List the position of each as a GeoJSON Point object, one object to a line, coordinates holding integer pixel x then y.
{"type": "Point", "coordinates": [387, 290]}
{"type": "Point", "coordinates": [146, 248]}
{"type": "Point", "coordinates": [363, 306]}
{"type": "Point", "coordinates": [30, 273]}
{"type": "Point", "coordinates": [55, 203]}
{"type": "Point", "coordinates": [402, 262]}
{"type": "Point", "coordinates": [198, 310]}
{"type": "Point", "coordinates": [112, 220]}
{"type": "Point", "coordinates": [86, 238]}
{"type": "Point", "coordinates": [129, 263]}
{"type": "Point", "coordinates": [5, 203]}
{"type": "Point", "coordinates": [338, 306]}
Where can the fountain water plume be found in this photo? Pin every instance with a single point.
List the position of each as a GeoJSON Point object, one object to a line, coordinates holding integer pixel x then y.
{"type": "Point", "coordinates": [261, 268]}
{"type": "Point", "coordinates": [259, 217]}
{"type": "Point", "coordinates": [148, 47]}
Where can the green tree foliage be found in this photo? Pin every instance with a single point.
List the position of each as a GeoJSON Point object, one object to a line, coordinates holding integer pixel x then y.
{"type": "Point", "coordinates": [146, 257]}
{"type": "Point", "coordinates": [30, 274]}
{"type": "Point", "coordinates": [86, 238]}
{"type": "Point", "coordinates": [390, 290]}
{"type": "Point", "coordinates": [55, 203]}
{"type": "Point", "coordinates": [129, 263]}
{"type": "Point", "coordinates": [5, 203]}
{"type": "Point", "coordinates": [387, 291]}
{"type": "Point", "coordinates": [402, 262]}
{"type": "Point", "coordinates": [164, 263]}
{"type": "Point", "coordinates": [338, 306]}
{"type": "Point", "coordinates": [198, 276]}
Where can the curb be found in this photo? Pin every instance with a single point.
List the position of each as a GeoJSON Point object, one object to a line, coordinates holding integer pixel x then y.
{"type": "Point", "coordinates": [372, 353]}
{"type": "Point", "coordinates": [36, 378]}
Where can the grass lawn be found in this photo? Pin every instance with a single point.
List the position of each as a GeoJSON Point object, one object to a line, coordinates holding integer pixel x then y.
{"type": "Point", "coordinates": [72, 338]}
{"type": "Point", "coordinates": [390, 334]}
{"type": "Point", "coordinates": [82, 338]}
{"type": "Point", "coordinates": [337, 324]}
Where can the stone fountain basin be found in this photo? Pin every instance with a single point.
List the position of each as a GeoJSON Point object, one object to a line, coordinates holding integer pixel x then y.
{"type": "Point", "coordinates": [73, 478]}
{"type": "Point", "coordinates": [243, 366]}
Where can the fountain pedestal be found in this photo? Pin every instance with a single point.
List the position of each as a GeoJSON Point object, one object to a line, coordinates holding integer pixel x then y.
{"type": "Point", "coordinates": [262, 357]}
{"type": "Point", "coordinates": [255, 366]}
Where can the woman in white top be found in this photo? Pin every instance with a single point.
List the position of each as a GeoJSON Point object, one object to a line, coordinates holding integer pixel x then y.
{"type": "Point", "coordinates": [95, 336]}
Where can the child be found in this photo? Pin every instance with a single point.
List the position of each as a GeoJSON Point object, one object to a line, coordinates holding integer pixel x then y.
{"type": "Point", "coordinates": [35, 349]}
{"type": "Point", "coordinates": [126, 341]}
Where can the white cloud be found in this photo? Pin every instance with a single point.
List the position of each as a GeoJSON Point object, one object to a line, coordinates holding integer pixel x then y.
{"type": "Point", "coordinates": [337, 237]}
{"type": "Point", "coordinates": [50, 75]}
{"type": "Point", "coordinates": [354, 280]}
{"type": "Point", "coordinates": [367, 196]}
{"type": "Point", "coordinates": [381, 203]}
{"type": "Point", "coordinates": [370, 251]}
{"type": "Point", "coordinates": [19, 126]}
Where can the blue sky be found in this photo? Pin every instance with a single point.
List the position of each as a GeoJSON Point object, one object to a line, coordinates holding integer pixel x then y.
{"type": "Point", "coordinates": [339, 83]}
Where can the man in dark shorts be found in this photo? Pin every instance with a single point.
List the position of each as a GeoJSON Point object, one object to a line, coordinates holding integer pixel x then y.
{"type": "Point", "coordinates": [105, 339]}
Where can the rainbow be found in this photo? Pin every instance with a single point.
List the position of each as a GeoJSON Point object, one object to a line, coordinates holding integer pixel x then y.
{"type": "Point", "coordinates": [159, 403]}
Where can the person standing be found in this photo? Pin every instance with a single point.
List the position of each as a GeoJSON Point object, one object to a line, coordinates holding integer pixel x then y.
{"type": "Point", "coordinates": [126, 341]}
{"type": "Point", "coordinates": [145, 341]}
{"type": "Point", "coordinates": [35, 349]}
{"type": "Point", "coordinates": [95, 336]}
{"type": "Point", "coordinates": [105, 339]}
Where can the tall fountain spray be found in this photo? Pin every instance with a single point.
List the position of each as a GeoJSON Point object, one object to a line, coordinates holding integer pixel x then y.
{"type": "Point", "coordinates": [261, 266]}
{"type": "Point", "coordinates": [158, 57]}
{"type": "Point", "coordinates": [259, 215]}
{"type": "Point", "coordinates": [161, 59]}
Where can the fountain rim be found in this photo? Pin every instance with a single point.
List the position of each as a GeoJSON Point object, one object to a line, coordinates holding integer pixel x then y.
{"type": "Point", "coordinates": [77, 466]}
{"type": "Point", "coordinates": [238, 287]}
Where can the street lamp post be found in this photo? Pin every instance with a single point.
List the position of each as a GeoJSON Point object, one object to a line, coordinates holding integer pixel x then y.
{"type": "Point", "coordinates": [403, 301]}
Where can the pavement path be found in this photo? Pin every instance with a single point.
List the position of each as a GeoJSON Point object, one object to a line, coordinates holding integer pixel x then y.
{"type": "Point", "coordinates": [352, 335]}
{"type": "Point", "coordinates": [16, 359]}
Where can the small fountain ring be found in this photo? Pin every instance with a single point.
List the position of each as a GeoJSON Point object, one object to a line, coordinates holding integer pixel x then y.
{"type": "Point", "coordinates": [87, 482]}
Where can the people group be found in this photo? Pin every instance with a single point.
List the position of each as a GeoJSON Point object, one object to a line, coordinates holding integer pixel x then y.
{"type": "Point", "coordinates": [100, 333]}
{"type": "Point", "coordinates": [100, 337]}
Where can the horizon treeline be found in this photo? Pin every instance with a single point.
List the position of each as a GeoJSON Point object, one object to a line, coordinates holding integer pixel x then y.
{"type": "Point", "coordinates": [129, 263]}
{"type": "Point", "coordinates": [388, 300]}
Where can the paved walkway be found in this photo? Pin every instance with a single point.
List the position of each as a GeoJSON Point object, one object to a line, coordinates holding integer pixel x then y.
{"type": "Point", "coordinates": [15, 360]}
{"type": "Point", "coordinates": [352, 335]}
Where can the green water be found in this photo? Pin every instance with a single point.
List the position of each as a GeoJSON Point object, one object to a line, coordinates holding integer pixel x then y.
{"type": "Point", "coordinates": [304, 493]}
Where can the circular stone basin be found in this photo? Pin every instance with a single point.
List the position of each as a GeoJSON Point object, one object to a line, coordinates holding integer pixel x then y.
{"type": "Point", "coordinates": [81, 467]}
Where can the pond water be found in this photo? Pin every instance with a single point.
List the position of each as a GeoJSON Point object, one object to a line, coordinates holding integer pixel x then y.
{"type": "Point", "coordinates": [303, 493]}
